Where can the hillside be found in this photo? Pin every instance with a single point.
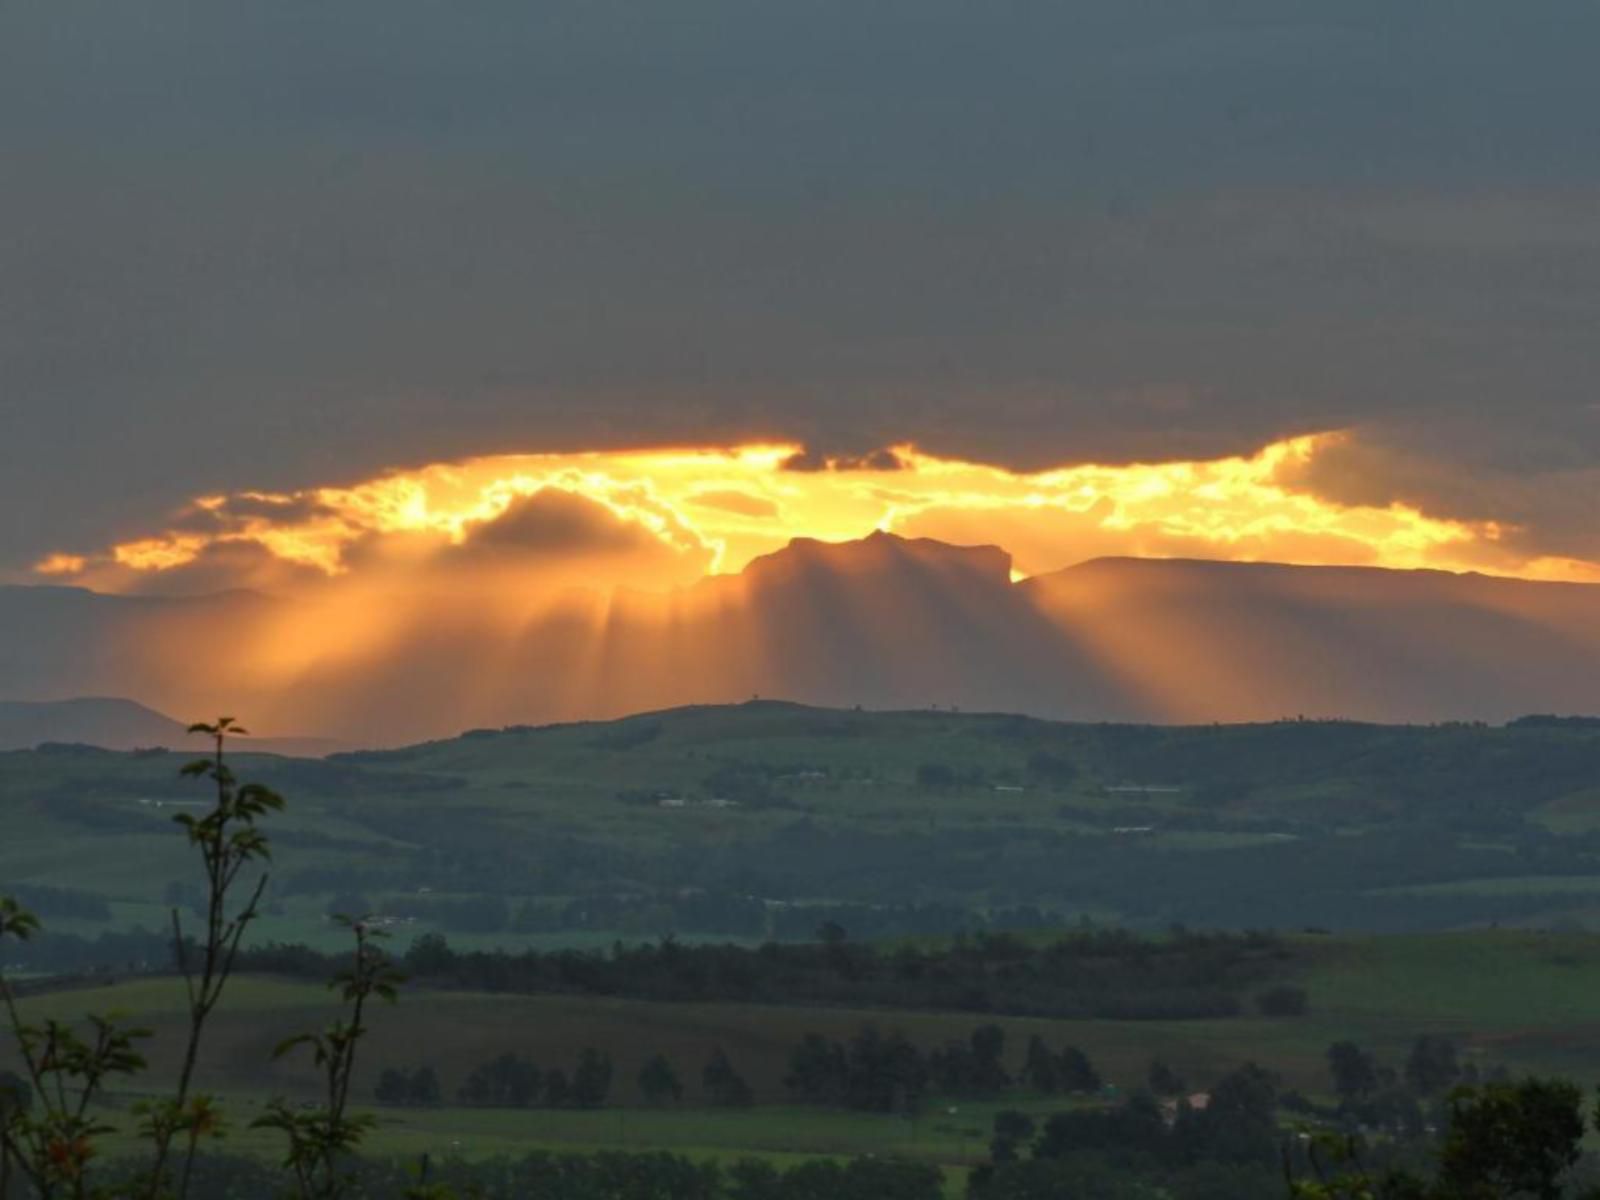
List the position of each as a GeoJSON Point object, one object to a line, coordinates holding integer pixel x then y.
{"type": "Point", "coordinates": [97, 721]}
{"type": "Point", "coordinates": [761, 819]}
{"type": "Point", "coordinates": [108, 723]}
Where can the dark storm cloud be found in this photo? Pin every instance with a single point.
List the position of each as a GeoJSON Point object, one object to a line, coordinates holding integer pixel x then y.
{"type": "Point", "coordinates": [812, 459]}
{"type": "Point", "coordinates": [277, 245]}
{"type": "Point", "coordinates": [555, 523]}
{"type": "Point", "coordinates": [238, 512]}
{"type": "Point", "coordinates": [241, 563]}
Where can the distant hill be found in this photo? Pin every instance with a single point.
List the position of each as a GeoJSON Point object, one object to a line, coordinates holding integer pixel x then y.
{"type": "Point", "coordinates": [1214, 641]}
{"type": "Point", "coordinates": [883, 622]}
{"type": "Point", "coordinates": [95, 721]}
{"type": "Point", "coordinates": [115, 724]}
{"type": "Point", "coordinates": [740, 820]}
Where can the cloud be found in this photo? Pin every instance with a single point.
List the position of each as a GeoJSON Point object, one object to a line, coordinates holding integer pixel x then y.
{"type": "Point", "coordinates": [555, 533]}
{"type": "Point", "coordinates": [1535, 513]}
{"type": "Point", "coordinates": [219, 566]}
{"type": "Point", "coordinates": [660, 519]}
{"type": "Point", "coordinates": [550, 522]}
{"type": "Point", "coordinates": [882, 459]}
{"type": "Point", "coordinates": [293, 250]}
{"type": "Point", "coordinates": [743, 503]}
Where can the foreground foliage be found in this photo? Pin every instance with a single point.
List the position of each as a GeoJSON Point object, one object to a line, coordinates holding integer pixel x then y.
{"type": "Point", "coordinates": [52, 1120]}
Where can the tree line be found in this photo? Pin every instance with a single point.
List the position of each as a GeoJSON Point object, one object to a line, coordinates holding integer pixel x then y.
{"type": "Point", "coordinates": [511, 1080]}
{"type": "Point", "coordinates": [603, 1175]}
{"type": "Point", "coordinates": [886, 1072]}
{"type": "Point", "coordinates": [1110, 974]}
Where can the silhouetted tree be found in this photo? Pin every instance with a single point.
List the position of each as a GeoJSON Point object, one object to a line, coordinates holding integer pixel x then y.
{"type": "Point", "coordinates": [724, 1086]}
{"type": "Point", "coordinates": [1075, 1073]}
{"type": "Point", "coordinates": [1011, 1129]}
{"type": "Point", "coordinates": [1163, 1080]}
{"type": "Point", "coordinates": [591, 1081]}
{"type": "Point", "coordinates": [1355, 1073]}
{"type": "Point", "coordinates": [557, 1091]}
{"type": "Point", "coordinates": [818, 1070]}
{"type": "Point", "coordinates": [1039, 1068]}
{"type": "Point", "coordinates": [506, 1082]}
{"type": "Point", "coordinates": [658, 1082]}
{"type": "Point", "coordinates": [1432, 1065]}
{"type": "Point", "coordinates": [1511, 1139]}
{"type": "Point", "coordinates": [392, 1087]}
{"type": "Point", "coordinates": [424, 1087]}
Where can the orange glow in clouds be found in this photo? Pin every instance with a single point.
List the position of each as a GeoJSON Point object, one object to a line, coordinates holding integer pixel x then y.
{"type": "Point", "coordinates": [712, 510]}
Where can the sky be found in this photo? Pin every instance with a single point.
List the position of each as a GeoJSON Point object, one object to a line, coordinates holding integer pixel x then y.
{"type": "Point", "coordinates": [1326, 277]}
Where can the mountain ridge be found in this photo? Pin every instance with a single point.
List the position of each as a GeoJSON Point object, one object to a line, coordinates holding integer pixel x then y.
{"type": "Point", "coordinates": [883, 621]}
{"type": "Point", "coordinates": [118, 723]}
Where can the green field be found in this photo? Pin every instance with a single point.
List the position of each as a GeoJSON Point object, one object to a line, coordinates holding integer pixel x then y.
{"type": "Point", "coordinates": [758, 821]}
{"type": "Point", "coordinates": [579, 834]}
{"type": "Point", "coordinates": [1524, 1001]}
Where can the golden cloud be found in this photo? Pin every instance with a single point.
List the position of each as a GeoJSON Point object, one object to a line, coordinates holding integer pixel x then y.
{"type": "Point", "coordinates": [664, 516]}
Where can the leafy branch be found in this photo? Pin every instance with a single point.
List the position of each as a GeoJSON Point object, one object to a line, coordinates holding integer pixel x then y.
{"type": "Point", "coordinates": [49, 1125]}
{"type": "Point", "coordinates": [228, 840]}
{"type": "Point", "coordinates": [319, 1140]}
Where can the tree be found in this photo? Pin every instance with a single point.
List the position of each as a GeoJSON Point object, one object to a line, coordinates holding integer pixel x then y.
{"type": "Point", "coordinates": [658, 1082]}
{"type": "Point", "coordinates": [754, 1179]}
{"type": "Point", "coordinates": [423, 1088]}
{"type": "Point", "coordinates": [417, 1088]}
{"type": "Point", "coordinates": [1011, 1129]}
{"type": "Point", "coordinates": [591, 1081]}
{"type": "Point", "coordinates": [1511, 1140]}
{"type": "Point", "coordinates": [884, 1073]}
{"type": "Point", "coordinates": [1075, 1073]}
{"type": "Point", "coordinates": [724, 1086]}
{"type": "Point", "coordinates": [1238, 1125]}
{"type": "Point", "coordinates": [1432, 1066]}
{"type": "Point", "coordinates": [430, 954]}
{"type": "Point", "coordinates": [818, 1070]}
{"type": "Point", "coordinates": [557, 1091]}
{"type": "Point", "coordinates": [67, 1073]}
{"type": "Point", "coordinates": [518, 1081]}
{"type": "Point", "coordinates": [393, 1087]}
{"type": "Point", "coordinates": [1039, 1068]}
{"type": "Point", "coordinates": [506, 1082]}
{"type": "Point", "coordinates": [988, 1053]}
{"type": "Point", "coordinates": [1355, 1073]}
{"type": "Point", "coordinates": [1163, 1080]}
{"type": "Point", "coordinates": [1248, 1092]}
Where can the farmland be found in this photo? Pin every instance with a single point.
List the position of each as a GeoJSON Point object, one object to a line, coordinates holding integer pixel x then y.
{"type": "Point", "coordinates": [1517, 1000]}
{"type": "Point", "coordinates": [757, 821]}
{"type": "Point", "coordinates": [889, 836]}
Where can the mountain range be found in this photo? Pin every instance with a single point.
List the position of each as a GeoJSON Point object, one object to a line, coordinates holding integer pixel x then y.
{"type": "Point", "coordinates": [112, 723]}
{"type": "Point", "coordinates": [883, 622]}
